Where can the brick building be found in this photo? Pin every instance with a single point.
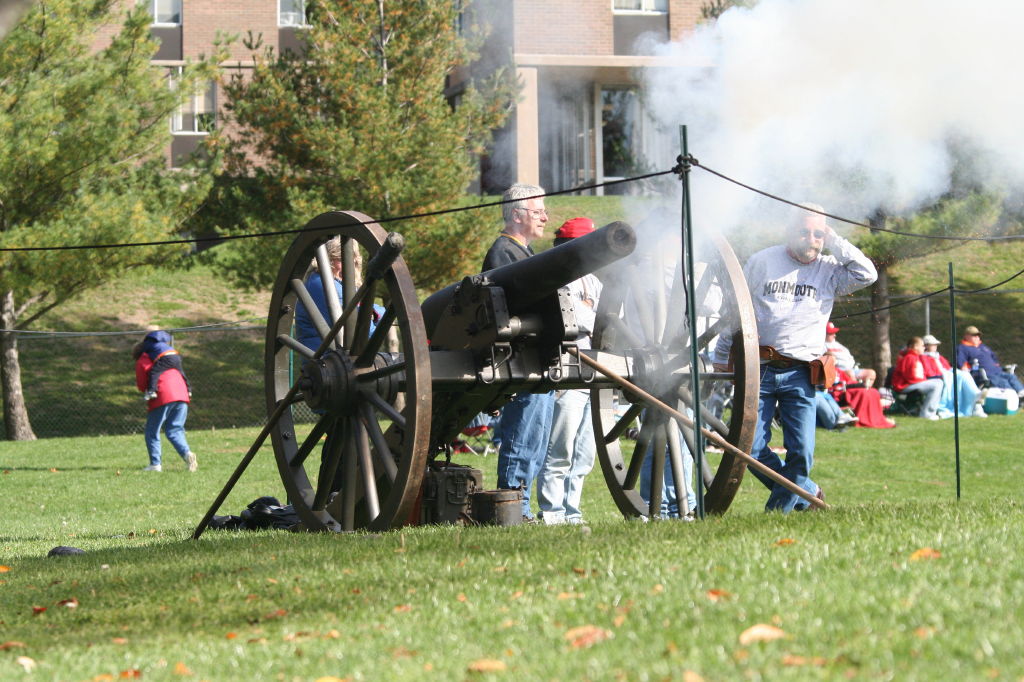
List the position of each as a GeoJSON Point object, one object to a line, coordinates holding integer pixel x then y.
{"type": "Point", "coordinates": [580, 62]}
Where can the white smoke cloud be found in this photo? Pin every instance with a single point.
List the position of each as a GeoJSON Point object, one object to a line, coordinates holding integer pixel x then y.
{"type": "Point", "coordinates": [850, 103]}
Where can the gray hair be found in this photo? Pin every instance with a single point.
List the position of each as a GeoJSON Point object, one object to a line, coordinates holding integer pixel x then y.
{"type": "Point", "coordinates": [517, 195]}
{"type": "Point", "coordinates": [799, 215]}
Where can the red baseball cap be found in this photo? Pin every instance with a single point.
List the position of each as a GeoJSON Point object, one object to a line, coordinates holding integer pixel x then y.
{"type": "Point", "coordinates": [576, 227]}
{"type": "Point", "coordinates": [831, 328]}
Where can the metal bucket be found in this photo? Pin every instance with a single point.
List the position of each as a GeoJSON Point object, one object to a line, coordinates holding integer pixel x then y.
{"type": "Point", "coordinates": [498, 507]}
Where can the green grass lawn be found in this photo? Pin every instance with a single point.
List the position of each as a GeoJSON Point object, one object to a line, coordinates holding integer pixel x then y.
{"type": "Point", "coordinates": [899, 581]}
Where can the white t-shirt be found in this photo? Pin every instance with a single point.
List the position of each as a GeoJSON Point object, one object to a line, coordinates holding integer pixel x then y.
{"type": "Point", "coordinates": [793, 300]}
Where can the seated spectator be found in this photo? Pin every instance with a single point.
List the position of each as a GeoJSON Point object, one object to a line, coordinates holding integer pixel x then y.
{"type": "Point", "coordinates": [865, 402]}
{"type": "Point", "coordinates": [909, 377]}
{"type": "Point", "coordinates": [828, 414]}
{"type": "Point", "coordinates": [968, 393]}
{"type": "Point", "coordinates": [844, 358]}
{"type": "Point", "coordinates": [973, 355]}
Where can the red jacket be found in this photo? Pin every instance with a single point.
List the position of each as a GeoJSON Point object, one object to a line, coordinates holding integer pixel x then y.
{"type": "Point", "coordinates": [909, 370]}
{"type": "Point", "coordinates": [933, 366]}
{"type": "Point", "coordinates": [171, 387]}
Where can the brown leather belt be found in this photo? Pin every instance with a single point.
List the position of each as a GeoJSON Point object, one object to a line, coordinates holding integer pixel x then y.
{"type": "Point", "coordinates": [776, 359]}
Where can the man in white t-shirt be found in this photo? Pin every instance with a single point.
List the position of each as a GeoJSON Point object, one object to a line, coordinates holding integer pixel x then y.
{"type": "Point", "coordinates": [793, 287]}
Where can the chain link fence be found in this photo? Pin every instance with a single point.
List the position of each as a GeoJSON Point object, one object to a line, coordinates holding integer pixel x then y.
{"type": "Point", "coordinates": [84, 385]}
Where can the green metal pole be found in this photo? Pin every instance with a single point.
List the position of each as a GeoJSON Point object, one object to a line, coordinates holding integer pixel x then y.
{"type": "Point", "coordinates": [687, 266]}
{"type": "Point", "coordinates": [956, 400]}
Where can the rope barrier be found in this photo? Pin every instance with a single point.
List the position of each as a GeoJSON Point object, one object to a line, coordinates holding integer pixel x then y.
{"type": "Point", "coordinates": [694, 162]}
{"type": "Point", "coordinates": [382, 221]}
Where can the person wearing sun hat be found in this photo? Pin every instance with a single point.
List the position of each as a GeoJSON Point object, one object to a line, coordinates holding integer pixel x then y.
{"type": "Point", "coordinates": [972, 351]}
{"type": "Point", "coordinates": [968, 393]}
{"type": "Point", "coordinates": [571, 449]}
{"type": "Point", "coordinates": [844, 358]}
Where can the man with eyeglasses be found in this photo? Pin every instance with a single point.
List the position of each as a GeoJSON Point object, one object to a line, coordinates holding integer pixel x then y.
{"type": "Point", "coordinates": [793, 286]}
{"type": "Point", "coordinates": [526, 420]}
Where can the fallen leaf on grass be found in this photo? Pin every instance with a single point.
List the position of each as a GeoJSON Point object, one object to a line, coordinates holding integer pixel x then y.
{"type": "Point", "coordinates": [182, 669]}
{"type": "Point", "coordinates": [54, 470]}
{"type": "Point", "coordinates": [461, 597]}
{"type": "Point", "coordinates": [131, 673]}
{"type": "Point", "coordinates": [11, 645]}
{"type": "Point", "coordinates": [25, 662]}
{"type": "Point", "coordinates": [718, 595]}
{"type": "Point", "coordinates": [332, 678]}
{"type": "Point", "coordinates": [36, 610]}
{"type": "Point", "coordinates": [4, 569]}
{"type": "Point", "coordinates": [71, 603]}
{"type": "Point", "coordinates": [402, 652]}
{"type": "Point", "coordinates": [762, 632]}
{"type": "Point", "coordinates": [119, 640]}
{"type": "Point", "coordinates": [619, 620]}
{"type": "Point", "coordinates": [586, 636]}
{"type": "Point", "coordinates": [231, 635]}
{"type": "Point", "coordinates": [924, 632]}
{"type": "Point", "coordinates": [103, 677]}
{"type": "Point", "coordinates": [403, 608]}
{"type": "Point", "coordinates": [690, 676]}
{"type": "Point", "coordinates": [785, 541]}
{"type": "Point", "coordinates": [517, 594]}
{"type": "Point", "coordinates": [275, 614]}
{"type": "Point", "coordinates": [925, 553]}
{"type": "Point", "coordinates": [487, 665]}
{"type": "Point", "coordinates": [658, 589]}
{"type": "Point", "coordinates": [792, 660]}
{"type": "Point", "coordinates": [579, 571]}
{"type": "Point", "coordinates": [272, 581]}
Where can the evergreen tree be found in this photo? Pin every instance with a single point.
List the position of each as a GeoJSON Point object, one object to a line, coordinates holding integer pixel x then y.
{"type": "Point", "coordinates": [83, 134]}
{"type": "Point", "coordinates": [970, 214]}
{"type": "Point", "coordinates": [360, 121]}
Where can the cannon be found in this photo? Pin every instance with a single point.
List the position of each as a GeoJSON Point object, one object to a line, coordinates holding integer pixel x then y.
{"type": "Point", "coordinates": [356, 423]}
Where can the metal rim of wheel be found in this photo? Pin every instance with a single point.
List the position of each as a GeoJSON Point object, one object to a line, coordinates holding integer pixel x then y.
{"type": "Point", "coordinates": [372, 456]}
{"type": "Point", "coordinates": [717, 275]}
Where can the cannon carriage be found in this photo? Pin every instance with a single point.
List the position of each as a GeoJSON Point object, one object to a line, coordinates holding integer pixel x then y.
{"type": "Point", "coordinates": [389, 395]}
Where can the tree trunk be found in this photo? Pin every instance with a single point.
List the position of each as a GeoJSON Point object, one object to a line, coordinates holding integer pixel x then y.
{"type": "Point", "coordinates": [16, 422]}
{"type": "Point", "coordinates": [881, 349]}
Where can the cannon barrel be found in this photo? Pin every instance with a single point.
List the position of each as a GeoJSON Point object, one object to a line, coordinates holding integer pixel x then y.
{"type": "Point", "coordinates": [527, 281]}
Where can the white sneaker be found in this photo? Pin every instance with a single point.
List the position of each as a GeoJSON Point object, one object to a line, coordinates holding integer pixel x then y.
{"type": "Point", "coordinates": [153, 467]}
{"type": "Point", "coordinates": [190, 460]}
{"type": "Point", "coordinates": [979, 411]}
{"type": "Point", "coordinates": [933, 417]}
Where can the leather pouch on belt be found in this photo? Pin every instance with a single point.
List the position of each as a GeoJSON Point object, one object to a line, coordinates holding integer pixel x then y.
{"type": "Point", "coordinates": [823, 371]}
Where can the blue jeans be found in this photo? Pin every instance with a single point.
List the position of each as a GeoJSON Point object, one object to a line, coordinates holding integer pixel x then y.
{"type": "Point", "coordinates": [1006, 380]}
{"type": "Point", "coordinates": [669, 500]}
{"type": "Point", "coordinates": [827, 410]}
{"type": "Point", "coordinates": [525, 427]}
{"type": "Point", "coordinates": [570, 457]}
{"type": "Point", "coordinates": [172, 417]}
{"type": "Point", "coordinates": [790, 391]}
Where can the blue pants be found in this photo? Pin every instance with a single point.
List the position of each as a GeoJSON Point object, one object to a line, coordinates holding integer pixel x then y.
{"type": "Point", "coordinates": [1006, 380]}
{"type": "Point", "coordinates": [172, 417]}
{"type": "Point", "coordinates": [790, 391]}
{"type": "Point", "coordinates": [827, 410]}
{"type": "Point", "coordinates": [525, 428]}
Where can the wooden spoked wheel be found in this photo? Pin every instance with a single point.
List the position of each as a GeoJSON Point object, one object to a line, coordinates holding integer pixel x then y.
{"type": "Point", "coordinates": [351, 447]}
{"type": "Point", "coordinates": [644, 317]}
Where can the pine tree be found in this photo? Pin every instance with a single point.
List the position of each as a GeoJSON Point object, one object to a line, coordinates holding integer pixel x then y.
{"type": "Point", "coordinates": [83, 134]}
{"type": "Point", "coordinates": [360, 121]}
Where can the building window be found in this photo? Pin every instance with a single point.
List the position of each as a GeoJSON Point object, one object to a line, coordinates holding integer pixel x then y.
{"type": "Point", "coordinates": [198, 114]}
{"type": "Point", "coordinates": [165, 12]}
{"type": "Point", "coordinates": [291, 13]}
{"type": "Point", "coordinates": [642, 6]}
